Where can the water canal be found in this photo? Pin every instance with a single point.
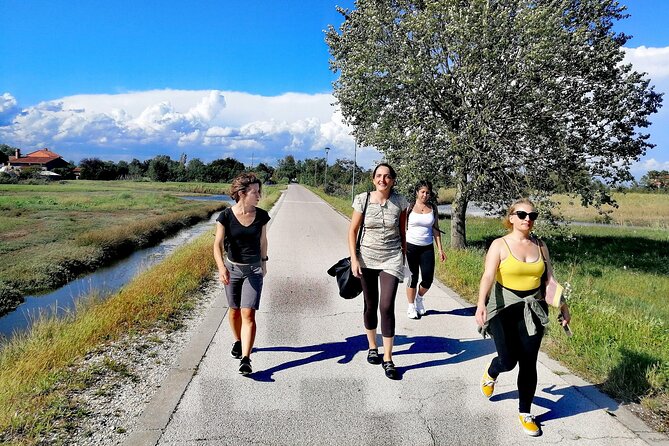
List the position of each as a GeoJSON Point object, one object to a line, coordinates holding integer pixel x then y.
{"type": "Point", "coordinates": [102, 282]}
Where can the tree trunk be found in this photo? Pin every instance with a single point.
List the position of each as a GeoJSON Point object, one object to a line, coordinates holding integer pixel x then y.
{"type": "Point", "coordinates": [458, 212]}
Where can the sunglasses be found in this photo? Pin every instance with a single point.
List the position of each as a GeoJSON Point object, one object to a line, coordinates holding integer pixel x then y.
{"type": "Point", "coordinates": [522, 215]}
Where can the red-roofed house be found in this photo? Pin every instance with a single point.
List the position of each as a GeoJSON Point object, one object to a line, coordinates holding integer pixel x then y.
{"type": "Point", "coordinates": [44, 158]}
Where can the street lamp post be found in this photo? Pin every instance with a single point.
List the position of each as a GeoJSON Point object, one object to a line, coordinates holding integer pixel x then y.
{"type": "Point", "coordinates": [325, 181]}
{"type": "Point", "coordinates": [355, 161]}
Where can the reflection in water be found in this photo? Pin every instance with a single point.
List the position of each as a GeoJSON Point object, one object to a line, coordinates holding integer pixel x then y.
{"type": "Point", "coordinates": [227, 198]}
{"type": "Point", "coordinates": [102, 282]}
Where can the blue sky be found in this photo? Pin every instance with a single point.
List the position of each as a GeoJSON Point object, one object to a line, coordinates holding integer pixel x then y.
{"type": "Point", "coordinates": [249, 79]}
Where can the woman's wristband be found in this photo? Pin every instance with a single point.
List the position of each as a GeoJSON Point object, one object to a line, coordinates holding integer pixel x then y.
{"type": "Point", "coordinates": [264, 259]}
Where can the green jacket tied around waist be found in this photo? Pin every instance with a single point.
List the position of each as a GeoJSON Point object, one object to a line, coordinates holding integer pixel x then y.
{"type": "Point", "coordinates": [501, 298]}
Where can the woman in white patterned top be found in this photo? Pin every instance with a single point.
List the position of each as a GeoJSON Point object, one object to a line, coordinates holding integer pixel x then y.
{"type": "Point", "coordinates": [380, 261]}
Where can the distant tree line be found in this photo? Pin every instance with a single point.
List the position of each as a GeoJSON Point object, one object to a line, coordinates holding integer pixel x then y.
{"type": "Point", "coordinates": [310, 171]}
{"type": "Point", "coordinates": [162, 168]}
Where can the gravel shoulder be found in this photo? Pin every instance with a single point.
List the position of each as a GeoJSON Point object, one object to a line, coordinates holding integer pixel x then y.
{"type": "Point", "coordinates": [126, 374]}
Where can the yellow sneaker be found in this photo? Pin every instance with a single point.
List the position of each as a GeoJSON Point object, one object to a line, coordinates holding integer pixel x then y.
{"type": "Point", "coordinates": [529, 424]}
{"type": "Point", "coordinates": [487, 383]}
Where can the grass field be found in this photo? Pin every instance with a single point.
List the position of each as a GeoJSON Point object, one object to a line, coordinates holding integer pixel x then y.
{"type": "Point", "coordinates": [51, 233]}
{"type": "Point", "coordinates": [39, 371]}
{"type": "Point", "coordinates": [620, 282]}
{"type": "Point", "coordinates": [634, 209]}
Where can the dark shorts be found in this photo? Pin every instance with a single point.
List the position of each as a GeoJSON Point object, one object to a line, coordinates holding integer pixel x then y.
{"type": "Point", "coordinates": [245, 285]}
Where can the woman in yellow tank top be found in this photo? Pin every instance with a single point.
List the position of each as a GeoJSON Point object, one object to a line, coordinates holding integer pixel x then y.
{"type": "Point", "coordinates": [511, 307]}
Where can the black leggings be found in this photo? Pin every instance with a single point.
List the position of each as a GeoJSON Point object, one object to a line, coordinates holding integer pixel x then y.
{"type": "Point", "coordinates": [386, 304]}
{"type": "Point", "coordinates": [515, 346]}
{"type": "Point", "coordinates": [421, 257]}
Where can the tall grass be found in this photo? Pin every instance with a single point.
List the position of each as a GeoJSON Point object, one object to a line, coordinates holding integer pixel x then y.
{"type": "Point", "coordinates": [634, 209]}
{"type": "Point", "coordinates": [49, 234]}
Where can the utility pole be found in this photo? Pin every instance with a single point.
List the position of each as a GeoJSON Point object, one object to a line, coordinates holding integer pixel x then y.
{"type": "Point", "coordinates": [325, 182]}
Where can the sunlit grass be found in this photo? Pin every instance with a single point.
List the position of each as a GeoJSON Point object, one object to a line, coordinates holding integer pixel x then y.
{"type": "Point", "coordinates": [34, 376]}
{"type": "Point", "coordinates": [634, 209]}
{"type": "Point", "coordinates": [51, 233]}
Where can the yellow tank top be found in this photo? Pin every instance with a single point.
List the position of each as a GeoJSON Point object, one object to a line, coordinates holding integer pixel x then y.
{"type": "Point", "coordinates": [520, 276]}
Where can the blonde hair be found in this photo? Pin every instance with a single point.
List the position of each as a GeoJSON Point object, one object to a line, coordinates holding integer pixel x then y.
{"type": "Point", "coordinates": [507, 218]}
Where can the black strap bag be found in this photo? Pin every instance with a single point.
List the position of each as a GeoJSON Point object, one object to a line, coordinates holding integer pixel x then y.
{"type": "Point", "coordinates": [349, 285]}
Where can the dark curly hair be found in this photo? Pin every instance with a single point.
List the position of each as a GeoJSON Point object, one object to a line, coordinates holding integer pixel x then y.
{"type": "Point", "coordinates": [432, 199]}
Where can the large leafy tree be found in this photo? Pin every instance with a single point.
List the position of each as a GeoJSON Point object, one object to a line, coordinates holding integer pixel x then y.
{"type": "Point", "coordinates": [224, 170]}
{"type": "Point", "coordinates": [159, 168]}
{"type": "Point", "coordinates": [263, 171]}
{"type": "Point", "coordinates": [505, 97]}
{"type": "Point", "coordinates": [196, 170]}
{"type": "Point", "coordinates": [286, 168]}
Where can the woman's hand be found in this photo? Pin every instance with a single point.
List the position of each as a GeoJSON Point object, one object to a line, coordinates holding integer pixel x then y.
{"type": "Point", "coordinates": [355, 268]}
{"type": "Point", "coordinates": [442, 255]}
{"type": "Point", "coordinates": [481, 314]}
{"type": "Point", "coordinates": [264, 269]}
{"type": "Point", "coordinates": [566, 315]}
{"type": "Point", "coordinates": [224, 275]}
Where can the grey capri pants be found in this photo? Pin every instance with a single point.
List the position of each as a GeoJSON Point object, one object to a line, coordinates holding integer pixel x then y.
{"type": "Point", "coordinates": [245, 285]}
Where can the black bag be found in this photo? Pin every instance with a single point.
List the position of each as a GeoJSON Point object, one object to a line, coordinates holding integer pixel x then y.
{"type": "Point", "coordinates": [349, 285]}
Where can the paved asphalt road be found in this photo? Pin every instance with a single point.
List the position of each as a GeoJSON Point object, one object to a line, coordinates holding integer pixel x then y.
{"type": "Point", "coordinates": [312, 384]}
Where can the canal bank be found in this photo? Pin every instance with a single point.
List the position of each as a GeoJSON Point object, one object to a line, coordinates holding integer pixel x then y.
{"type": "Point", "coordinates": [115, 266]}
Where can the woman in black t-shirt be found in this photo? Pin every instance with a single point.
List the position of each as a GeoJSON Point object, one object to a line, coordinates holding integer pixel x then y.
{"type": "Point", "coordinates": [242, 229]}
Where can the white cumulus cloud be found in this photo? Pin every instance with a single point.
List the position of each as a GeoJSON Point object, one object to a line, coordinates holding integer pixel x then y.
{"type": "Point", "coordinates": [8, 108]}
{"type": "Point", "coordinates": [654, 61]}
{"type": "Point", "coordinates": [652, 164]}
{"type": "Point", "coordinates": [205, 124]}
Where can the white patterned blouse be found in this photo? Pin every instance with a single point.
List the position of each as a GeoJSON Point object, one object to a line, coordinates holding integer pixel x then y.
{"type": "Point", "coordinates": [381, 245]}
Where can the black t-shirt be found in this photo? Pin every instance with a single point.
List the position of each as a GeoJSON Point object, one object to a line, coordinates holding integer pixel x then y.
{"type": "Point", "coordinates": [242, 243]}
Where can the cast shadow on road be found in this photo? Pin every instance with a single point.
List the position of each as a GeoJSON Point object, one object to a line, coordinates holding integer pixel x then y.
{"type": "Point", "coordinates": [459, 350]}
{"type": "Point", "coordinates": [346, 350]}
{"type": "Point", "coordinates": [466, 311]}
{"type": "Point", "coordinates": [572, 400]}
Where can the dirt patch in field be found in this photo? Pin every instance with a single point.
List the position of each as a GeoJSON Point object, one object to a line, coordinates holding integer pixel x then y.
{"type": "Point", "coordinates": [13, 235]}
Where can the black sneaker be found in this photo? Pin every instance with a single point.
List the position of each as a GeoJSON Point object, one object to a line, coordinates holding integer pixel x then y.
{"type": "Point", "coordinates": [373, 356]}
{"type": "Point", "coordinates": [391, 371]}
{"type": "Point", "coordinates": [245, 366]}
{"type": "Point", "coordinates": [236, 351]}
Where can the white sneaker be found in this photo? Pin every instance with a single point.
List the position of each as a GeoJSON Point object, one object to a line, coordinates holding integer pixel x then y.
{"type": "Point", "coordinates": [420, 306]}
{"type": "Point", "coordinates": [411, 312]}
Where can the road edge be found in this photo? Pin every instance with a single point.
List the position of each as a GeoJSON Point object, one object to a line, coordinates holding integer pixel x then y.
{"type": "Point", "coordinates": [158, 412]}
